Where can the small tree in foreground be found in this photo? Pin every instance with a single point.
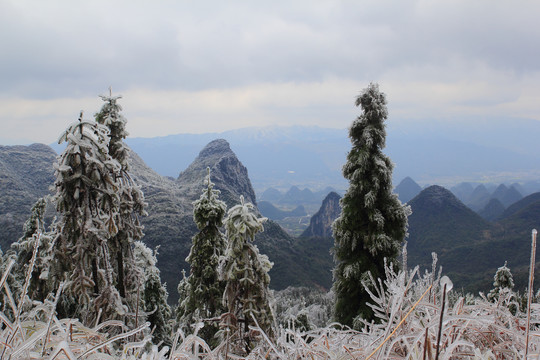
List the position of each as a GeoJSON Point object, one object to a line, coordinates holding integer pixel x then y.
{"type": "Point", "coordinates": [204, 289]}
{"type": "Point", "coordinates": [373, 222]}
{"type": "Point", "coordinates": [153, 295]}
{"type": "Point", "coordinates": [22, 249]}
{"type": "Point", "coordinates": [245, 270]}
{"type": "Point", "coordinates": [503, 280]}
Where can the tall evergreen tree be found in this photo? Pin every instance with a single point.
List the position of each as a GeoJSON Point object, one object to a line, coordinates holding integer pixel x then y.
{"type": "Point", "coordinates": [88, 202]}
{"type": "Point", "coordinates": [373, 222]}
{"type": "Point", "coordinates": [131, 203]}
{"type": "Point", "coordinates": [205, 290]}
{"type": "Point", "coordinates": [244, 269]}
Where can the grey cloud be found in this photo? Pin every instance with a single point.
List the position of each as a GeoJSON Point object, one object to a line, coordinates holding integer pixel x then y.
{"type": "Point", "coordinates": [64, 48]}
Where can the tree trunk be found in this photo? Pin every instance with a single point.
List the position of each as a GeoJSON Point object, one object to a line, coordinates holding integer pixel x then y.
{"type": "Point", "coordinates": [95, 276]}
{"type": "Point", "coordinates": [120, 283]}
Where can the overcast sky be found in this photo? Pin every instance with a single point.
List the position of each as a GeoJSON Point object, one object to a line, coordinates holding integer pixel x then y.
{"type": "Point", "coordinates": [200, 66]}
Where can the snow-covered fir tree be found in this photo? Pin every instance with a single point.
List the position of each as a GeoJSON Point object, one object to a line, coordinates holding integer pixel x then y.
{"type": "Point", "coordinates": [153, 294]}
{"type": "Point", "coordinates": [110, 116]}
{"type": "Point", "coordinates": [131, 204]}
{"type": "Point", "coordinates": [35, 234]}
{"type": "Point", "coordinates": [183, 294]}
{"type": "Point", "coordinates": [503, 280]}
{"type": "Point", "coordinates": [87, 200]}
{"type": "Point", "coordinates": [373, 222]}
{"type": "Point", "coordinates": [245, 270]}
{"type": "Point", "coordinates": [204, 289]}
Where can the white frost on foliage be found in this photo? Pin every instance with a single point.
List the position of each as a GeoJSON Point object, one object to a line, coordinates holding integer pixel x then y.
{"type": "Point", "coordinates": [476, 329]}
{"type": "Point", "coordinates": [243, 268]}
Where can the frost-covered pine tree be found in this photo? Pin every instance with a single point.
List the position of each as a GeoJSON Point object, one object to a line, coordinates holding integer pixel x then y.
{"type": "Point", "coordinates": [503, 279]}
{"type": "Point", "coordinates": [183, 295]}
{"type": "Point", "coordinates": [131, 203]}
{"type": "Point", "coordinates": [373, 222]}
{"type": "Point", "coordinates": [110, 116]}
{"type": "Point", "coordinates": [87, 200]}
{"type": "Point", "coordinates": [154, 294]}
{"type": "Point", "coordinates": [244, 269]}
{"type": "Point", "coordinates": [204, 289]}
{"type": "Point", "coordinates": [35, 234]}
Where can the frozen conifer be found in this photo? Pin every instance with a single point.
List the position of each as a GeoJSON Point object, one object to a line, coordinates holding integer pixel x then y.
{"type": "Point", "coordinates": [373, 222]}
{"type": "Point", "coordinates": [154, 294]}
{"type": "Point", "coordinates": [503, 279]}
{"type": "Point", "coordinates": [244, 269]}
{"type": "Point", "coordinates": [110, 116]}
{"type": "Point", "coordinates": [183, 295]}
{"type": "Point", "coordinates": [130, 207]}
{"type": "Point", "coordinates": [34, 231]}
{"type": "Point", "coordinates": [87, 200]}
{"type": "Point", "coordinates": [35, 240]}
{"type": "Point", "coordinates": [204, 289]}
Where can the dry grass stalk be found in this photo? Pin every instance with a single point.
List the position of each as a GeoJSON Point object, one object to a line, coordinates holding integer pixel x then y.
{"type": "Point", "coordinates": [531, 283]}
{"type": "Point", "coordinates": [401, 322]}
{"type": "Point", "coordinates": [440, 323]}
{"type": "Point", "coordinates": [482, 330]}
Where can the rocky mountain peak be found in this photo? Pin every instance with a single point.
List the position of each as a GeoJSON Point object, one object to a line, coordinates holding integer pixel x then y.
{"type": "Point", "coordinates": [437, 196]}
{"type": "Point", "coordinates": [226, 171]}
{"type": "Point", "coordinates": [218, 147]}
{"type": "Point", "coordinates": [407, 189]}
{"type": "Point", "coordinates": [320, 224]}
{"type": "Point", "coordinates": [506, 195]}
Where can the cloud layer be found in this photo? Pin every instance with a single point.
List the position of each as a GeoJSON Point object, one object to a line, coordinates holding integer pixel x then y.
{"type": "Point", "coordinates": [198, 66]}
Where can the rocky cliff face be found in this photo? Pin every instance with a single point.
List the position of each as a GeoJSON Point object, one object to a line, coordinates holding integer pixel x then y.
{"type": "Point", "coordinates": [26, 173]}
{"type": "Point", "coordinates": [320, 224]}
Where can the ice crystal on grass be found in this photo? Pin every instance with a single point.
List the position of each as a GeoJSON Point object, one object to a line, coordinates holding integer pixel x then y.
{"type": "Point", "coordinates": [408, 329]}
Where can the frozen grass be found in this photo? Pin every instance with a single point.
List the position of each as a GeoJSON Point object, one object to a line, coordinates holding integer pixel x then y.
{"type": "Point", "coordinates": [409, 312]}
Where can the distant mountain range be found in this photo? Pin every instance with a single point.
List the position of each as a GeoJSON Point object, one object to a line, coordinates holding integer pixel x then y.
{"type": "Point", "coordinates": [407, 189]}
{"type": "Point", "coordinates": [443, 152]}
{"type": "Point", "coordinates": [469, 247]}
{"type": "Point", "coordinates": [270, 211]}
{"type": "Point", "coordinates": [295, 196]}
{"type": "Point", "coordinates": [489, 200]}
{"type": "Point", "coordinates": [275, 156]}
